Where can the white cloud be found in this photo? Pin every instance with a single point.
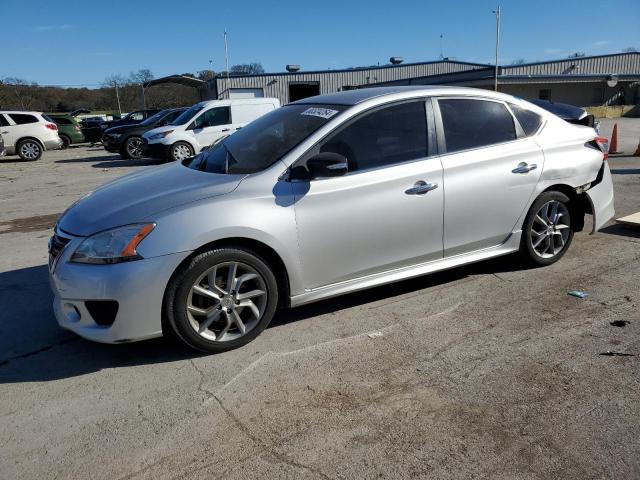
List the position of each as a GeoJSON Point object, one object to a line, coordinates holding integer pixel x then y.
{"type": "Point", "coordinates": [601, 43]}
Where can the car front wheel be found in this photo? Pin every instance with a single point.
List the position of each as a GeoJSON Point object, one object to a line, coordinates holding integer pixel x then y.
{"type": "Point", "coordinates": [222, 299]}
{"type": "Point", "coordinates": [180, 151]}
{"type": "Point", "coordinates": [29, 150]}
{"type": "Point", "coordinates": [132, 148]}
{"type": "Point", "coordinates": [548, 230]}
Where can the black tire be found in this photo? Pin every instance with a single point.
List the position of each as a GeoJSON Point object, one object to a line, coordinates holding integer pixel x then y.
{"type": "Point", "coordinates": [179, 295]}
{"type": "Point", "coordinates": [132, 148]}
{"type": "Point", "coordinates": [553, 240]}
{"type": "Point", "coordinates": [179, 146]}
{"type": "Point", "coordinates": [66, 141]}
{"type": "Point", "coordinates": [29, 150]}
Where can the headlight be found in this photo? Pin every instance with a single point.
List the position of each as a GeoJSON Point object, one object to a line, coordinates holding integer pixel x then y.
{"type": "Point", "coordinates": [113, 246]}
{"type": "Point", "coordinates": [160, 135]}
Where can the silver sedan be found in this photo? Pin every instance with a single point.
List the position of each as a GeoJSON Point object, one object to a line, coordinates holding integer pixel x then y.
{"type": "Point", "coordinates": [324, 196]}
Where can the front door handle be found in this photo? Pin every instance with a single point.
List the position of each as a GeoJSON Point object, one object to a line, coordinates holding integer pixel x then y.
{"type": "Point", "coordinates": [421, 187]}
{"type": "Point", "coordinates": [524, 167]}
{"type": "Point", "coordinates": [225, 130]}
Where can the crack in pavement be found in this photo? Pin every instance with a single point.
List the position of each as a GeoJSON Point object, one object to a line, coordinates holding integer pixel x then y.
{"type": "Point", "coordinates": [266, 448]}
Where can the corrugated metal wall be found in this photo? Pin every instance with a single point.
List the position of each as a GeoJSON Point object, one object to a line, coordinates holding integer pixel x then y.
{"type": "Point", "coordinates": [277, 85]}
{"type": "Point", "coordinates": [619, 63]}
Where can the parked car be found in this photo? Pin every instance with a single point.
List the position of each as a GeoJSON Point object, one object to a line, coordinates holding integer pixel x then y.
{"type": "Point", "coordinates": [3, 150]}
{"type": "Point", "coordinates": [127, 139]}
{"type": "Point", "coordinates": [569, 113]}
{"type": "Point", "coordinates": [91, 129]}
{"type": "Point", "coordinates": [201, 125]}
{"type": "Point", "coordinates": [28, 134]}
{"type": "Point", "coordinates": [324, 196]}
{"type": "Point", "coordinates": [131, 118]}
{"type": "Point", "coordinates": [69, 129]}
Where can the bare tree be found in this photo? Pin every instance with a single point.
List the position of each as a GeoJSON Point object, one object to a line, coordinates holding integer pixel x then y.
{"type": "Point", "coordinates": [518, 61]}
{"type": "Point", "coordinates": [253, 68]}
{"type": "Point", "coordinates": [629, 50]}
{"type": "Point", "coordinates": [577, 55]}
{"type": "Point", "coordinates": [23, 91]}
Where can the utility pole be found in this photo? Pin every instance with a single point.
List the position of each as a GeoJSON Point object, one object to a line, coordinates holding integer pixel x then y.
{"type": "Point", "coordinates": [118, 98]}
{"type": "Point", "coordinates": [226, 58]}
{"type": "Point", "coordinates": [143, 99]}
{"type": "Point", "coordinates": [495, 79]}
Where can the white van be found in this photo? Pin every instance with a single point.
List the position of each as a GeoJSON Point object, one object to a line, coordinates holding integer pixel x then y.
{"type": "Point", "coordinates": [203, 124]}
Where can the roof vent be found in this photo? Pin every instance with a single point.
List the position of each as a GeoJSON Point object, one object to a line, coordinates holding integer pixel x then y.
{"type": "Point", "coordinates": [293, 68]}
{"type": "Point", "coordinates": [396, 60]}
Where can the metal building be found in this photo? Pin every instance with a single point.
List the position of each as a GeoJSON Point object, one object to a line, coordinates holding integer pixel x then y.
{"type": "Point", "coordinates": [291, 86]}
{"type": "Point", "coordinates": [585, 81]}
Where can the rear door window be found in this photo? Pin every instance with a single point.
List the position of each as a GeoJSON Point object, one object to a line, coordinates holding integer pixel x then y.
{"type": "Point", "coordinates": [474, 123]}
{"type": "Point", "coordinates": [3, 121]}
{"type": "Point", "coordinates": [23, 118]}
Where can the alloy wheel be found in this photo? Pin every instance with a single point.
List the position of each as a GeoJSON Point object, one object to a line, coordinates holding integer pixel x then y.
{"type": "Point", "coordinates": [134, 148]}
{"type": "Point", "coordinates": [550, 229]}
{"type": "Point", "coordinates": [30, 150]}
{"type": "Point", "coordinates": [227, 301]}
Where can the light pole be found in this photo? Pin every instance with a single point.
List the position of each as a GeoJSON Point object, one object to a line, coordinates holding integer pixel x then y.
{"type": "Point", "coordinates": [495, 79]}
{"type": "Point", "coordinates": [441, 53]}
{"type": "Point", "coordinates": [226, 58]}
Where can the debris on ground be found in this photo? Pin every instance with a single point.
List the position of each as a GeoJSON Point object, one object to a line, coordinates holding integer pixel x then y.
{"type": "Point", "coordinates": [578, 294]}
{"type": "Point", "coordinates": [617, 354]}
{"type": "Point", "coordinates": [375, 334]}
{"type": "Point", "coordinates": [619, 323]}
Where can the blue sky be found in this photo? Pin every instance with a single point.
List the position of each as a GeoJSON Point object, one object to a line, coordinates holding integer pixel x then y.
{"type": "Point", "coordinates": [82, 42]}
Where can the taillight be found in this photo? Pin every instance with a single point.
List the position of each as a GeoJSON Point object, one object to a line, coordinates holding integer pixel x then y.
{"type": "Point", "coordinates": [601, 144]}
{"type": "Point", "coordinates": [51, 126]}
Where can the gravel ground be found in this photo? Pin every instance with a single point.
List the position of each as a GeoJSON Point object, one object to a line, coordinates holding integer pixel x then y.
{"type": "Point", "coordinates": [486, 371]}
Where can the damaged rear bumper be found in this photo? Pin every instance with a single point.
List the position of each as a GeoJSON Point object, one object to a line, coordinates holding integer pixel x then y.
{"type": "Point", "coordinates": [601, 198]}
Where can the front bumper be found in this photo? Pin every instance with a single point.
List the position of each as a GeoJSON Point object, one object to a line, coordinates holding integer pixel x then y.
{"type": "Point", "coordinates": [111, 144]}
{"type": "Point", "coordinates": [155, 150]}
{"type": "Point", "coordinates": [55, 144]}
{"type": "Point", "coordinates": [137, 286]}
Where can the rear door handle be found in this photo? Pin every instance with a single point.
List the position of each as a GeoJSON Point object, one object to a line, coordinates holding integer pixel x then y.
{"type": "Point", "coordinates": [524, 167]}
{"type": "Point", "coordinates": [421, 187]}
{"type": "Point", "coordinates": [225, 130]}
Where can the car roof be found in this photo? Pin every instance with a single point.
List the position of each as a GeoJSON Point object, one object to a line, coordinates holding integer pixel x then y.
{"type": "Point", "coordinates": [354, 97]}
{"type": "Point", "coordinates": [30, 112]}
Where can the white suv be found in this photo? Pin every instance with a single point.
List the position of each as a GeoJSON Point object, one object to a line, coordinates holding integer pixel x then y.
{"type": "Point", "coordinates": [28, 134]}
{"type": "Point", "coordinates": [202, 125]}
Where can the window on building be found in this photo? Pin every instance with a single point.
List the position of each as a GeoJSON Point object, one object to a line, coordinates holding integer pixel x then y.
{"type": "Point", "coordinates": [389, 135]}
{"type": "Point", "coordinates": [528, 120]}
{"type": "Point", "coordinates": [597, 96]}
{"type": "Point", "coordinates": [23, 118]}
{"type": "Point", "coordinates": [470, 123]}
{"type": "Point", "coordinates": [545, 94]}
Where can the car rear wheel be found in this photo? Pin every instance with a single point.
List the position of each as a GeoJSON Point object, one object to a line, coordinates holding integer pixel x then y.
{"type": "Point", "coordinates": [222, 299]}
{"type": "Point", "coordinates": [180, 151]}
{"type": "Point", "coordinates": [132, 148]}
{"type": "Point", "coordinates": [66, 141]}
{"type": "Point", "coordinates": [29, 150]}
{"type": "Point", "coordinates": [548, 230]}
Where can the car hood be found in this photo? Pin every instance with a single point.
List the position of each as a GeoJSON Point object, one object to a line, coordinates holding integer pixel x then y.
{"type": "Point", "coordinates": [125, 128]}
{"type": "Point", "coordinates": [164, 128]}
{"type": "Point", "coordinates": [138, 196]}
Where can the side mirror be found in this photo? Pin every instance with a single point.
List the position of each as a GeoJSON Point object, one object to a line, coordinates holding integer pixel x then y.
{"type": "Point", "coordinates": [327, 164]}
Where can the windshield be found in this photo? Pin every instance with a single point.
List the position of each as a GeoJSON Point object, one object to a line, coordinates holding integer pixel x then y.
{"type": "Point", "coordinates": [187, 114]}
{"type": "Point", "coordinates": [154, 118]}
{"type": "Point", "coordinates": [265, 140]}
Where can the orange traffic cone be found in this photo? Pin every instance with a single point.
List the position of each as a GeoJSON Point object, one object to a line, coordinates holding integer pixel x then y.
{"type": "Point", "coordinates": [637, 152]}
{"type": "Point", "coordinates": [613, 144]}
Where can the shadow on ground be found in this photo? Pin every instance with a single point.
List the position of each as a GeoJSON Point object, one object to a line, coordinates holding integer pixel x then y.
{"type": "Point", "coordinates": [621, 231]}
{"type": "Point", "coordinates": [35, 349]}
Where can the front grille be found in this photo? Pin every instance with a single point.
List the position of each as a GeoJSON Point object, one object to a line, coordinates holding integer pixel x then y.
{"type": "Point", "coordinates": [56, 245]}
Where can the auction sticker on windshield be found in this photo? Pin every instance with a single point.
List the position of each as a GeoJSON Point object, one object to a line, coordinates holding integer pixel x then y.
{"type": "Point", "coordinates": [320, 112]}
